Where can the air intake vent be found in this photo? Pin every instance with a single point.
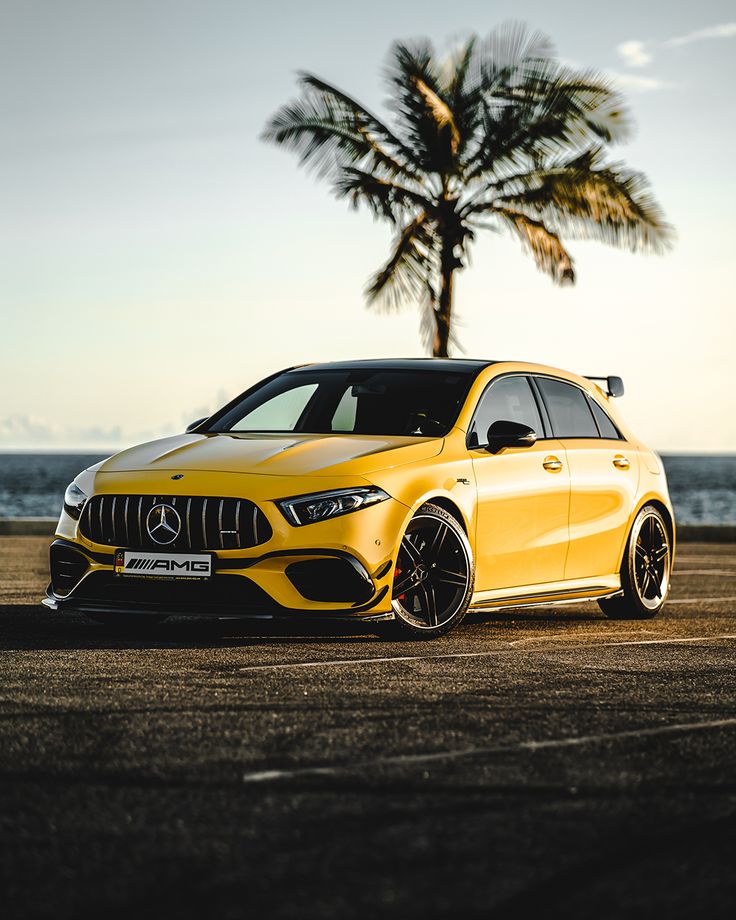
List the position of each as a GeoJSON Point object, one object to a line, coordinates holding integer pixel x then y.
{"type": "Point", "coordinates": [199, 523]}
{"type": "Point", "coordinates": [67, 567]}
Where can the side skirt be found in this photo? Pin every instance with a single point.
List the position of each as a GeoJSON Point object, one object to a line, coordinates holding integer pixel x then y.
{"type": "Point", "coordinates": [492, 600]}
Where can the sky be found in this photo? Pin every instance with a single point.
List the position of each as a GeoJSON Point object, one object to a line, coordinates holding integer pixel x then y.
{"type": "Point", "coordinates": [156, 257]}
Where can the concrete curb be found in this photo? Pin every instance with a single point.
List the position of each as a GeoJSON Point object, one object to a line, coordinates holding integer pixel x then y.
{"type": "Point", "coordinates": [687, 533]}
{"type": "Point", "coordinates": [706, 533]}
{"type": "Point", "coordinates": [28, 527]}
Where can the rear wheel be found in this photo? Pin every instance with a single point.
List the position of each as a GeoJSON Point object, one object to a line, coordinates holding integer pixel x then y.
{"type": "Point", "coordinates": [434, 575]}
{"type": "Point", "coordinates": [645, 572]}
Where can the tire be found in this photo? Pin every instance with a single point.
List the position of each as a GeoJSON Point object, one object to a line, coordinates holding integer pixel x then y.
{"type": "Point", "coordinates": [434, 575]}
{"type": "Point", "coordinates": [645, 571]}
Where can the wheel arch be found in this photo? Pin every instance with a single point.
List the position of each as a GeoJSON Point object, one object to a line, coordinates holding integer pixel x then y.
{"type": "Point", "coordinates": [664, 510]}
{"type": "Point", "coordinates": [448, 505]}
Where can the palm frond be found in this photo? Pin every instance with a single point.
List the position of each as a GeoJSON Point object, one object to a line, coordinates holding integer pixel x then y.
{"type": "Point", "coordinates": [327, 134]}
{"type": "Point", "coordinates": [417, 101]}
{"type": "Point", "coordinates": [586, 198]}
{"type": "Point", "coordinates": [409, 273]}
{"type": "Point", "coordinates": [386, 142]}
{"type": "Point", "coordinates": [441, 112]}
{"type": "Point", "coordinates": [384, 198]}
{"type": "Point", "coordinates": [545, 246]}
{"type": "Point", "coordinates": [507, 48]}
{"type": "Point", "coordinates": [456, 77]}
{"type": "Point", "coordinates": [540, 111]}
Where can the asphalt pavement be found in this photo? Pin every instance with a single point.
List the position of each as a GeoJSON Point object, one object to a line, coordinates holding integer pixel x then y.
{"type": "Point", "coordinates": [539, 763]}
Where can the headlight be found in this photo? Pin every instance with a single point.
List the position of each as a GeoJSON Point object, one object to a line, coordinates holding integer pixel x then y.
{"type": "Point", "coordinates": [74, 501]}
{"type": "Point", "coordinates": [308, 509]}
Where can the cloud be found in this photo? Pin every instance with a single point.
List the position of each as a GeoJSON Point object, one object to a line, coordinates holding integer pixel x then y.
{"type": "Point", "coordinates": [18, 430]}
{"type": "Point", "coordinates": [724, 30]}
{"type": "Point", "coordinates": [638, 53]}
{"type": "Point", "coordinates": [27, 431]}
{"type": "Point", "coordinates": [637, 83]}
{"type": "Point", "coordinates": [634, 53]}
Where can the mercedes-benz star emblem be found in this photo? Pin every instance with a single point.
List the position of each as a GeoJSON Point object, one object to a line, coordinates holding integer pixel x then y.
{"type": "Point", "coordinates": [163, 524]}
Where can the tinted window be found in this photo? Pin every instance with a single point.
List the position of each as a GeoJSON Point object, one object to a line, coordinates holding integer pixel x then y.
{"type": "Point", "coordinates": [508, 399]}
{"type": "Point", "coordinates": [383, 401]}
{"type": "Point", "coordinates": [605, 425]}
{"type": "Point", "coordinates": [278, 414]}
{"type": "Point", "coordinates": [344, 417]}
{"type": "Point", "coordinates": [568, 409]}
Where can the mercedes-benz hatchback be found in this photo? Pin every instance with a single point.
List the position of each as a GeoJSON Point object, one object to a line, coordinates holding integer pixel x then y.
{"type": "Point", "coordinates": [403, 490]}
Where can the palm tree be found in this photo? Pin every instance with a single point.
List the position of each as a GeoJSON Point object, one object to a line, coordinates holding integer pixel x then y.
{"type": "Point", "coordinates": [497, 134]}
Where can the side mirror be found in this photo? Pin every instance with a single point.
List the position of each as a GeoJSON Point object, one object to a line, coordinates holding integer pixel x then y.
{"type": "Point", "coordinates": [509, 434]}
{"type": "Point", "coordinates": [615, 386]}
{"type": "Point", "coordinates": [194, 425]}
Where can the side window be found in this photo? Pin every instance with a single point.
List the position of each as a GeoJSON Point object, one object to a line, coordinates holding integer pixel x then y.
{"type": "Point", "coordinates": [280, 413]}
{"type": "Point", "coordinates": [508, 399]}
{"type": "Point", "coordinates": [568, 409]}
{"type": "Point", "coordinates": [605, 425]}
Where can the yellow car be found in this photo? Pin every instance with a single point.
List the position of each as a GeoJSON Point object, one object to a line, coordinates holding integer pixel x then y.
{"type": "Point", "coordinates": [403, 490]}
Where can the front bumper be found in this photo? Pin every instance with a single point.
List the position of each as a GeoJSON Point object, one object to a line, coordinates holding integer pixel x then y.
{"type": "Point", "coordinates": [340, 567]}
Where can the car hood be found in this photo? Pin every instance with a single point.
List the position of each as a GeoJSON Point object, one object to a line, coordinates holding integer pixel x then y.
{"type": "Point", "coordinates": [274, 455]}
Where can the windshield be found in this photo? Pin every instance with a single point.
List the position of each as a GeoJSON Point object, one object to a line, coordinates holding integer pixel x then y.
{"type": "Point", "coordinates": [379, 401]}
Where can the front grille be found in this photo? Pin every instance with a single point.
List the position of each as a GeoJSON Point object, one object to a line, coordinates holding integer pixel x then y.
{"type": "Point", "coordinates": [206, 523]}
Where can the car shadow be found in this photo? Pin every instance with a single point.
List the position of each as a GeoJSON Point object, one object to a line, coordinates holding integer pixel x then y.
{"type": "Point", "coordinates": [28, 627]}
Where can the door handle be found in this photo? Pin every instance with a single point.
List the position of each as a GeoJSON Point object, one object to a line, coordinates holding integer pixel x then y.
{"type": "Point", "coordinates": [621, 462]}
{"type": "Point", "coordinates": [552, 464]}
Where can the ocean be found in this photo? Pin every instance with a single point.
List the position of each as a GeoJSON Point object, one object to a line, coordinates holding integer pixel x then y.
{"type": "Point", "coordinates": [703, 487]}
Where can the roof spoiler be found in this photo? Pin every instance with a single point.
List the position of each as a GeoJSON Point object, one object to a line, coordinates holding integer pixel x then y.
{"type": "Point", "coordinates": [614, 385]}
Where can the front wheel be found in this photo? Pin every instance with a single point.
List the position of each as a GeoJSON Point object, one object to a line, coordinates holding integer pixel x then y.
{"type": "Point", "coordinates": [645, 572]}
{"type": "Point", "coordinates": [434, 575]}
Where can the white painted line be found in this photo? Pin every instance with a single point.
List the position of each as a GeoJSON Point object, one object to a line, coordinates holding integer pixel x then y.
{"type": "Point", "coordinates": [699, 560]}
{"type": "Point", "coordinates": [560, 637]}
{"type": "Point", "coordinates": [344, 661]}
{"type": "Point", "coordinates": [402, 760]}
{"type": "Point", "coordinates": [730, 572]}
{"type": "Point", "coordinates": [662, 641]}
{"type": "Point", "coordinates": [702, 600]}
{"type": "Point", "coordinates": [512, 646]}
{"type": "Point", "coordinates": [677, 728]}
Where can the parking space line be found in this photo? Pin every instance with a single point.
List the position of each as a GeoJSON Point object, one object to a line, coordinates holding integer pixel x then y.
{"type": "Point", "coordinates": [694, 557]}
{"type": "Point", "coordinates": [344, 661]}
{"type": "Point", "coordinates": [701, 600]}
{"type": "Point", "coordinates": [666, 641]}
{"type": "Point", "coordinates": [511, 646]}
{"type": "Point", "coordinates": [401, 760]}
{"type": "Point", "coordinates": [682, 572]}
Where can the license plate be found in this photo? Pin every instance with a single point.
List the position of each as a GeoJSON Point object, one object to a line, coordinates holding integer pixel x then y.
{"type": "Point", "coordinates": [191, 566]}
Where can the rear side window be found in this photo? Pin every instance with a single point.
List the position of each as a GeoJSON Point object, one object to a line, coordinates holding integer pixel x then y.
{"type": "Point", "coordinates": [568, 409]}
{"type": "Point", "coordinates": [605, 425]}
{"type": "Point", "coordinates": [508, 399]}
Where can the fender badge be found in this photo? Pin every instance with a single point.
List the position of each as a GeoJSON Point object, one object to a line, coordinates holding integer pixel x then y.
{"type": "Point", "coordinates": [178, 476]}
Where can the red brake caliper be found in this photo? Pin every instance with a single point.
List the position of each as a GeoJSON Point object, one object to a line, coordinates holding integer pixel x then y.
{"type": "Point", "coordinates": [397, 573]}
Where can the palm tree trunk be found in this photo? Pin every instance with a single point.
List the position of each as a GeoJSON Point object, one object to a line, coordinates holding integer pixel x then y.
{"type": "Point", "coordinates": [443, 314]}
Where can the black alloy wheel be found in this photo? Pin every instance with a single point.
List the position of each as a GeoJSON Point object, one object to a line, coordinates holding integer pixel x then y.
{"type": "Point", "coordinates": [434, 574]}
{"type": "Point", "coordinates": [646, 569]}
